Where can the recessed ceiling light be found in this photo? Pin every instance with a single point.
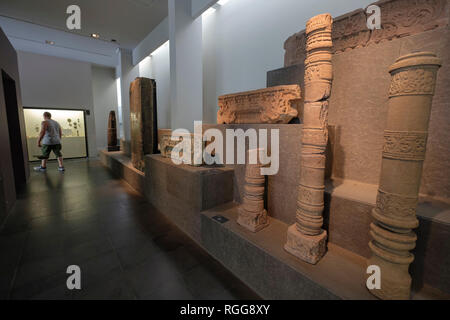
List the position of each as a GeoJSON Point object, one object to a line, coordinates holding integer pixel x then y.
{"type": "Point", "coordinates": [95, 35]}
{"type": "Point", "coordinates": [208, 11]}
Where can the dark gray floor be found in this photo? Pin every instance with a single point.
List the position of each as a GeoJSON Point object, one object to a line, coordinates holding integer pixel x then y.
{"type": "Point", "coordinates": [125, 249]}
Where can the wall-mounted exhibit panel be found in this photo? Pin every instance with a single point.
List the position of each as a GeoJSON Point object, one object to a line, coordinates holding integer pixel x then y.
{"type": "Point", "coordinates": [72, 122]}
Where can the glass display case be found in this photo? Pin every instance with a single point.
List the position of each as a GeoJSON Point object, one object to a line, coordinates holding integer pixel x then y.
{"type": "Point", "coordinates": [72, 124]}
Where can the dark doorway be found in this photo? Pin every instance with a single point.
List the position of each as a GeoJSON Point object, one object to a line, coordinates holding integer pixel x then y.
{"type": "Point", "coordinates": [15, 140]}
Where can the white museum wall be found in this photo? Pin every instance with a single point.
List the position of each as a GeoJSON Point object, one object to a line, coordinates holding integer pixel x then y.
{"type": "Point", "coordinates": [157, 66]}
{"type": "Point", "coordinates": [186, 66]}
{"type": "Point", "coordinates": [243, 39]}
{"type": "Point", "coordinates": [55, 82]}
{"type": "Point", "coordinates": [127, 72]}
{"type": "Point", "coordinates": [105, 100]}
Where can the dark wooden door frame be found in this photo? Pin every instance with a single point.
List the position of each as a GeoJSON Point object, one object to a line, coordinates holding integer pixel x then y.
{"type": "Point", "coordinates": [15, 137]}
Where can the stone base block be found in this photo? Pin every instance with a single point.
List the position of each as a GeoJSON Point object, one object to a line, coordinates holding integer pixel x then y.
{"type": "Point", "coordinates": [307, 248]}
{"type": "Point", "coordinates": [121, 167]}
{"type": "Point", "coordinates": [252, 221]}
{"type": "Point", "coordinates": [113, 148]}
{"type": "Point", "coordinates": [395, 280]}
{"type": "Point", "coordinates": [182, 192]}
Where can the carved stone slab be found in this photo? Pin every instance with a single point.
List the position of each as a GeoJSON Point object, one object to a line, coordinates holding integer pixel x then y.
{"type": "Point", "coordinates": [270, 105]}
{"type": "Point", "coordinates": [144, 128]}
{"type": "Point", "coordinates": [400, 18]}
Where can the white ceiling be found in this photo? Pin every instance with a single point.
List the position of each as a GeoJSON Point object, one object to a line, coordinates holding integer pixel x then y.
{"type": "Point", "coordinates": [127, 21]}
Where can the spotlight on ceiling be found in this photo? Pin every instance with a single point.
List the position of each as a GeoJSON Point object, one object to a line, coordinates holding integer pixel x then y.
{"type": "Point", "coordinates": [222, 2]}
{"type": "Point", "coordinates": [95, 35]}
{"type": "Point", "coordinates": [50, 42]}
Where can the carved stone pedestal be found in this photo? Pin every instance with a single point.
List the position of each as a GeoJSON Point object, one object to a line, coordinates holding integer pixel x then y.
{"type": "Point", "coordinates": [307, 248]}
{"type": "Point", "coordinates": [252, 214]}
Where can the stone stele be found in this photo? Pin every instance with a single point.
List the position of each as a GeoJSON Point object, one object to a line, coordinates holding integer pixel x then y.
{"type": "Point", "coordinates": [271, 105]}
{"type": "Point", "coordinates": [410, 97]}
{"type": "Point", "coordinates": [144, 128]}
{"type": "Point", "coordinates": [252, 214]}
{"type": "Point", "coordinates": [306, 239]}
{"type": "Point", "coordinates": [112, 132]}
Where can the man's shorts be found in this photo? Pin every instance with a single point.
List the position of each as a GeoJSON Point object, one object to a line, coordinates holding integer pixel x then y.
{"type": "Point", "coordinates": [47, 148]}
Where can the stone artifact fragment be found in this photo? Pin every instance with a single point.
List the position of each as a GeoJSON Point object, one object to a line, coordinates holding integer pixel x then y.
{"type": "Point", "coordinates": [112, 132]}
{"type": "Point", "coordinates": [410, 96]}
{"type": "Point", "coordinates": [144, 130]}
{"type": "Point", "coordinates": [271, 105]}
{"type": "Point", "coordinates": [400, 18]}
{"type": "Point", "coordinates": [252, 214]}
{"type": "Point", "coordinates": [306, 239]}
{"type": "Point", "coordinates": [174, 149]}
{"type": "Point", "coordinates": [162, 133]}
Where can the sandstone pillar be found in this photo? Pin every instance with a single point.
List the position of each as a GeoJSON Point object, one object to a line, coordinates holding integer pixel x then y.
{"type": "Point", "coordinates": [252, 214]}
{"type": "Point", "coordinates": [112, 132]}
{"type": "Point", "coordinates": [144, 129]}
{"type": "Point", "coordinates": [410, 96]}
{"type": "Point", "coordinates": [306, 239]}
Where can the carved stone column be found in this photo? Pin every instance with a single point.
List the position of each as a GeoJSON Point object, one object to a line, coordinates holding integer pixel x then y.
{"type": "Point", "coordinates": [112, 132]}
{"type": "Point", "coordinates": [306, 239]}
{"type": "Point", "coordinates": [144, 129]}
{"type": "Point", "coordinates": [410, 96]}
{"type": "Point", "coordinates": [252, 214]}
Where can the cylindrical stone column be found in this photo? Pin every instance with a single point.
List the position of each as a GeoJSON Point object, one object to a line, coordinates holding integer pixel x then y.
{"type": "Point", "coordinates": [410, 97]}
{"type": "Point", "coordinates": [112, 132]}
{"type": "Point", "coordinates": [306, 239]}
{"type": "Point", "coordinates": [252, 214]}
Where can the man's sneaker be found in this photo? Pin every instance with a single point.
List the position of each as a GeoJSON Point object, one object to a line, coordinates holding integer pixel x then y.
{"type": "Point", "coordinates": [62, 169]}
{"type": "Point", "coordinates": [40, 169]}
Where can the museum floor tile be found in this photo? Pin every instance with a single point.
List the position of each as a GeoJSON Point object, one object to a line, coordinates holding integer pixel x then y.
{"type": "Point", "coordinates": [124, 247]}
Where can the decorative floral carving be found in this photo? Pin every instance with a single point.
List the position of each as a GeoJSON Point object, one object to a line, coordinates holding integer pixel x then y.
{"type": "Point", "coordinates": [405, 145]}
{"type": "Point", "coordinates": [396, 205]}
{"type": "Point", "coordinates": [413, 81]}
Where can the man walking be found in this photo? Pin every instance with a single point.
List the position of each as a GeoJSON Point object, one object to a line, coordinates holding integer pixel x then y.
{"type": "Point", "coordinates": [50, 140]}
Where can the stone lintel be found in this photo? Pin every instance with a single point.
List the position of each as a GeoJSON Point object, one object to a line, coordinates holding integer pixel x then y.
{"type": "Point", "coordinates": [270, 105]}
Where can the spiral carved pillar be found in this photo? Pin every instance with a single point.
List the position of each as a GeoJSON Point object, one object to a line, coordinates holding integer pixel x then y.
{"type": "Point", "coordinates": [410, 97]}
{"type": "Point", "coordinates": [306, 239]}
{"type": "Point", "coordinates": [252, 214]}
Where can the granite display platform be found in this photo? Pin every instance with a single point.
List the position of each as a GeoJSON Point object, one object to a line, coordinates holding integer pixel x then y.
{"type": "Point", "coordinates": [260, 261]}
{"type": "Point", "coordinates": [182, 192]}
{"type": "Point", "coordinates": [121, 166]}
{"type": "Point", "coordinates": [191, 196]}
